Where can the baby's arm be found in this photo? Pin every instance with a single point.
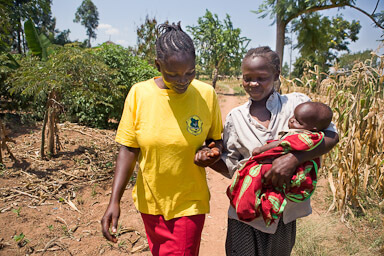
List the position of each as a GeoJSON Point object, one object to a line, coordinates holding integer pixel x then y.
{"type": "Point", "coordinates": [265, 147]}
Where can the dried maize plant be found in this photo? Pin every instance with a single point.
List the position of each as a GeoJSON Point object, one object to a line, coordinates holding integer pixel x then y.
{"type": "Point", "coordinates": [308, 83]}
{"type": "Point", "coordinates": [356, 163]}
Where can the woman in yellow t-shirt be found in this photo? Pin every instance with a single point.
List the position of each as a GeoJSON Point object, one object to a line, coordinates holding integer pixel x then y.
{"type": "Point", "coordinates": [164, 125]}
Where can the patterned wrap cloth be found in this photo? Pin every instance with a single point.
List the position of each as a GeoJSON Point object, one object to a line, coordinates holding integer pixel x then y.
{"type": "Point", "coordinates": [251, 197]}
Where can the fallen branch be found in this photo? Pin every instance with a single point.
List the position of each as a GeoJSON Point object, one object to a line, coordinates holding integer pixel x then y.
{"type": "Point", "coordinates": [48, 245]}
{"type": "Point", "coordinates": [24, 193]}
{"type": "Point", "coordinates": [74, 176]}
{"type": "Point", "coordinates": [3, 143]}
{"type": "Point", "coordinates": [69, 202]}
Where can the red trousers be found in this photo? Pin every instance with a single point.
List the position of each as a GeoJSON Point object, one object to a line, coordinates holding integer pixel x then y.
{"type": "Point", "coordinates": [179, 236]}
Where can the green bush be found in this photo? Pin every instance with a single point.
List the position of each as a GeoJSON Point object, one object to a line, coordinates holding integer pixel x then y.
{"type": "Point", "coordinates": [19, 92]}
{"type": "Point", "coordinates": [129, 69]}
{"type": "Point", "coordinates": [91, 83]}
{"type": "Point", "coordinates": [7, 67]}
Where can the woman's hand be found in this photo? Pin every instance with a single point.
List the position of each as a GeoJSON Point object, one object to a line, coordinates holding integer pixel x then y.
{"type": "Point", "coordinates": [282, 171]}
{"type": "Point", "coordinates": [207, 156]}
{"type": "Point", "coordinates": [111, 215]}
{"type": "Point", "coordinates": [284, 166]}
{"type": "Point", "coordinates": [256, 151]}
{"type": "Point", "coordinates": [125, 164]}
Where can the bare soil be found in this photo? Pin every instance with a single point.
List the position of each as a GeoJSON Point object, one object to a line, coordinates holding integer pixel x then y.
{"type": "Point", "coordinates": [54, 206]}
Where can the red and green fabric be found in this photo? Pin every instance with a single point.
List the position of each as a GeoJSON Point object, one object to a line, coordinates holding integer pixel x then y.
{"type": "Point", "coordinates": [251, 197]}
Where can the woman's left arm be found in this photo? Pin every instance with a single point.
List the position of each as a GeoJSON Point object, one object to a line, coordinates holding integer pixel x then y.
{"type": "Point", "coordinates": [284, 166]}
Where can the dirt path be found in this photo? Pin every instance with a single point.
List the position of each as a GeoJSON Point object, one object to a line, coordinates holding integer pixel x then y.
{"type": "Point", "coordinates": [215, 228]}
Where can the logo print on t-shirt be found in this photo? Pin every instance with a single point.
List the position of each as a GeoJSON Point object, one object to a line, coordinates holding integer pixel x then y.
{"type": "Point", "coordinates": [194, 125]}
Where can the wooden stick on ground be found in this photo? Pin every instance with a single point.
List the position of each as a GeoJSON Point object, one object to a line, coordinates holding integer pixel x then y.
{"type": "Point", "coordinates": [3, 142]}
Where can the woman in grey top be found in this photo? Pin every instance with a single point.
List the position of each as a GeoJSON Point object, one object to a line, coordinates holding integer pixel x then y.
{"type": "Point", "coordinates": [252, 125]}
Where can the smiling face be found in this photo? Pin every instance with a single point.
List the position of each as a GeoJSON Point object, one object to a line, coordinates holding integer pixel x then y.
{"type": "Point", "coordinates": [258, 77]}
{"type": "Point", "coordinates": [177, 71]}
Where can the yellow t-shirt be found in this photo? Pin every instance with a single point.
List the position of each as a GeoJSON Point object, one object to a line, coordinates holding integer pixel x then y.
{"type": "Point", "coordinates": [169, 128]}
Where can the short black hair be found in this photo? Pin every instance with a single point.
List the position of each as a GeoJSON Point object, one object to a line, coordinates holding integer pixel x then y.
{"type": "Point", "coordinates": [267, 53]}
{"type": "Point", "coordinates": [173, 39]}
{"type": "Point", "coordinates": [316, 113]}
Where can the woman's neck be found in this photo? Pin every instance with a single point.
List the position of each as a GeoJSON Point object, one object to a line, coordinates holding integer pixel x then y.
{"type": "Point", "coordinates": [160, 83]}
{"type": "Point", "coordinates": [258, 110]}
{"type": "Point", "coordinates": [260, 104]}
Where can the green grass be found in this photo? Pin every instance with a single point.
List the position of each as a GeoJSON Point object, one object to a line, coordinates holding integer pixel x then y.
{"type": "Point", "coordinates": [308, 239]}
{"type": "Point", "coordinates": [238, 90]}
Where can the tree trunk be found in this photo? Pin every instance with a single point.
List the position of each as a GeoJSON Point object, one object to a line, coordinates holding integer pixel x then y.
{"type": "Point", "coordinates": [3, 143]}
{"type": "Point", "coordinates": [1, 154]}
{"type": "Point", "coordinates": [42, 154]}
{"type": "Point", "coordinates": [19, 38]}
{"type": "Point", "coordinates": [280, 36]}
{"type": "Point", "coordinates": [215, 74]}
{"type": "Point", "coordinates": [24, 42]}
{"type": "Point", "coordinates": [51, 121]}
{"type": "Point", "coordinates": [51, 131]}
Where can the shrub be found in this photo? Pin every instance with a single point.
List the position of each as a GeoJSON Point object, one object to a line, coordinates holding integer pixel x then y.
{"type": "Point", "coordinates": [129, 69]}
{"type": "Point", "coordinates": [91, 83]}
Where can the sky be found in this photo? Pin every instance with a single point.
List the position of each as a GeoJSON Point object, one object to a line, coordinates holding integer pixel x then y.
{"type": "Point", "coordinates": [119, 19]}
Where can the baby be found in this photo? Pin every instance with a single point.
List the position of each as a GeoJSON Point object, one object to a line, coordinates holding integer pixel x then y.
{"type": "Point", "coordinates": [251, 197]}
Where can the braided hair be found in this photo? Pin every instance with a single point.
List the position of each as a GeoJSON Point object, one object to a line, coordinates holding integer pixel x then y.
{"type": "Point", "coordinates": [267, 53]}
{"type": "Point", "coordinates": [173, 39]}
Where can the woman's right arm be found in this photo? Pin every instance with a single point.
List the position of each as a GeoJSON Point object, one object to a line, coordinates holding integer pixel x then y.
{"type": "Point", "coordinates": [221, 168]}
{"type": "Point", "coordinates": [125, 164]}
{"type": "Point", "coordinates": [231, 155]}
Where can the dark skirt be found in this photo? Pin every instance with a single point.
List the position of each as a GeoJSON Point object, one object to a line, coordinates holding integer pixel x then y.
{"type": "Point", "coordinates": [244, 240]}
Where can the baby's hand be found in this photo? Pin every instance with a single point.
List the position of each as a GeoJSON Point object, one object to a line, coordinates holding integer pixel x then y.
{"type": "Point", "coordinates": [207, 155]}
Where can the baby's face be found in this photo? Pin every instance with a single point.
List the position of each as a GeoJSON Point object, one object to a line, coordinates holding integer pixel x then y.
{"type": "Point", "coordinates": [293, 123]}
{"type": "Point", "coordinates": [299, 120]}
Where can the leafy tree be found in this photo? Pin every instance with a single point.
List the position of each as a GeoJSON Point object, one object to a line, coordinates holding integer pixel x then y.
{"type": "Point", "coordinates": [285, 11]}
{"type": "Point", "coordinates": [129, 69]}
{"type": "Point", "coordinates": [39, 45]}
{"type": "Point", "coordinates": [285, 70]}
{"type": "Point", "coordinates": [5, 25]}
{"type": "Point", "coordinates": [347, 61]}
{"type": "Point", "coordinates": [219, 45]}
{"type": "Point", "coordinates": [88, 16]}
{"type": "Point", "coordinates": [18, 11]}
{"type": "Point", "coordinates": [7, 66]}
{"type": "Point", "coordinates": [321, 38]}
{"type": "Point", "coordinates": [7, 62]}
{"type": "Point", "coordinates": [302, 65]}
{"type": "Point", "coordinates": [90, 84]}
{"type": "Point", "coordinates": [70, 80]}
{"type": "Point", "coordinates": [147, 34]}
{"type": "Point", "coordinates": [61, 37]}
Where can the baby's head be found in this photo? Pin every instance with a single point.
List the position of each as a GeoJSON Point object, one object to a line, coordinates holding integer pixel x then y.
{"type": "Point", "coordinates": [313, 116]}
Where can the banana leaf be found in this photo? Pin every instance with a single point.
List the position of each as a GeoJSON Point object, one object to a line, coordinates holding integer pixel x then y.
{"type": "Point", "coordinates": [38, 44]}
